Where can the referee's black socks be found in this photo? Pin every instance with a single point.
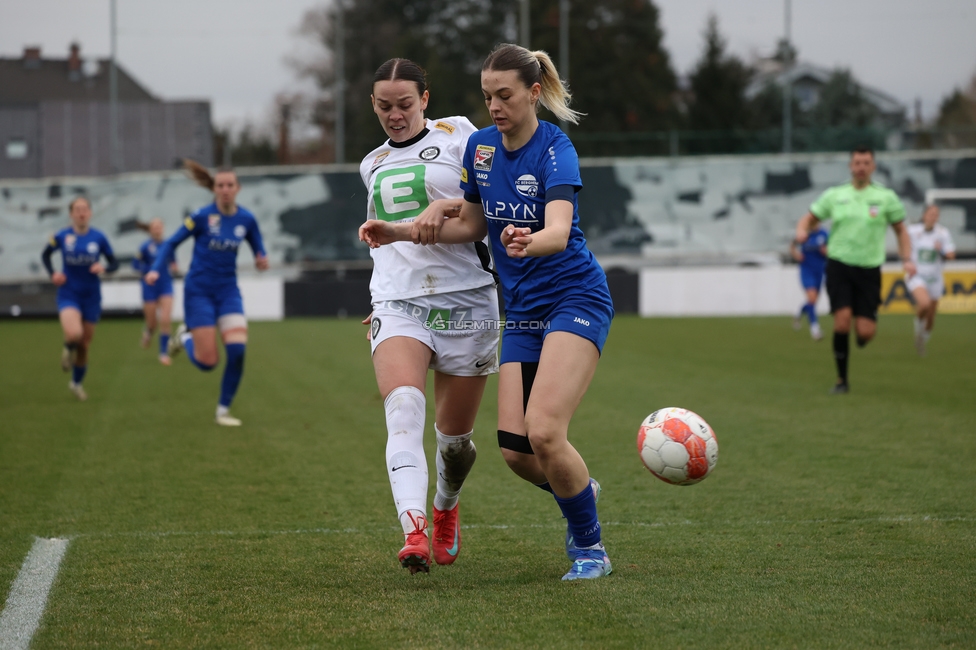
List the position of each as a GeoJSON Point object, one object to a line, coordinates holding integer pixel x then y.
{"type": "Point", "coordinates": [842, 347]}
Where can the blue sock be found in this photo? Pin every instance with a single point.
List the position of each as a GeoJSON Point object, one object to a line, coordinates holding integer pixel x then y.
{"type": "Point", "coordinates": [812, 314]}
{"type": "Point", "coordinates": [163, 343]}
{"type": "Point", "coordinates": [545, 486]}
{"type": "Point", "coordinates": [233, 372]}
{"type": "Point", "coordinates": [188, 346]}
{"type": "Point", "coordinates": [580, 513]}
{"type": "Point", "coordinates": [78, 373]}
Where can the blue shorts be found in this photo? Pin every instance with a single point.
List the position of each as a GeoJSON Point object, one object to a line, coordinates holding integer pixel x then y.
{"type": "Point", "coordinates": [202, 306]}
{"type": "Point", "coordinates": [811, 278]}
{"type": "Point", "coordinates": [87, 300]}
{"type": "Point", "coordinates": [587, 316]}
{"type": "Point", "coordinates": [163, 287]}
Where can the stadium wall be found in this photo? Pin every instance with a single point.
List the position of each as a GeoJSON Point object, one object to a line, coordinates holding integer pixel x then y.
{"type": "Point", "coordinates": [678, 236]}
{"type": "Point", "coordinates": [650, 292]}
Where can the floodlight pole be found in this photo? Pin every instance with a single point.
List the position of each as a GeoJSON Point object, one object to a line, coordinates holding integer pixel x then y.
{"type": "Point", "coordinates": [564, 49]}
{"type": "Point", "coordinates": [113, 98]}
{"type": "Point", "coordinates": [787, 85]}
{"type": "Point", "coordinates": [524, 23]}
{"type": "Point", "coordinates": [340, 84]}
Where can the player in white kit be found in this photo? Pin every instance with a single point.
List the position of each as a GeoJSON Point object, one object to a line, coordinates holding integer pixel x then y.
{"type": "Point", "coordinates": [434, 307]}
{"type": "Point", "coordinates": [931, 243]}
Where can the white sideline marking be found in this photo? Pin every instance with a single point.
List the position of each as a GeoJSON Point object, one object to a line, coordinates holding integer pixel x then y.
{"type": "Point", "coordinates": [28, 594]}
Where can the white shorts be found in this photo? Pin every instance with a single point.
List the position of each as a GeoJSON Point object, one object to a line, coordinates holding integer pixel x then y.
{"type": "Point", "coordinates": [461, 328]}
{"type": "Point", "coordinates": [934, 285]}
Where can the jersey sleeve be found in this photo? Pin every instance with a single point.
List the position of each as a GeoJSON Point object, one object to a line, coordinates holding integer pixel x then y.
{"type": "Point", "coordinates": [823, 207]}
{"type": "Point", "coordinates": [894, 209]}
{"type": "Point", "coordinates": [106, 248]}
{"type": "Point", "coordinates": [948, 246]}
{"type": "Point", "coordinates": [561, 165]}
{"type": "Point", "coordinates": [168, 249]}
{"type": "Point", "coordinates": [465, 129]}
{"type": "Point", "coordinates": [469, 183]}
{"type": "Point", "coordinates": [53, 244]}
{"type": "Point", "coordinates": [253, 237]}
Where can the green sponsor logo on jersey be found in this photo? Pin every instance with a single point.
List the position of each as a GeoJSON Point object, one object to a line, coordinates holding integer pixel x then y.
{"type": "Point", "coordinates": [400, 193]}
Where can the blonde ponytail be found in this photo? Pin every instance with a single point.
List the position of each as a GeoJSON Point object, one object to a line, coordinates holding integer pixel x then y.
{"type": "Point", "coordinates": [535, 68]}
{"type": "Point", "coordinates": [555, 94]}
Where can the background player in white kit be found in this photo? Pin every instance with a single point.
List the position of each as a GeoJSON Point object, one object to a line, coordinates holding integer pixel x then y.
{"type": "Point", "coordinates": [931, 242]}
{"type": "Point", "coordinates": [433, 307]}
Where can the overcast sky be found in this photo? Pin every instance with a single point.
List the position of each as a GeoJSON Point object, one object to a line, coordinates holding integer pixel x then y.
{"type": "Point", "coordinates": [233, 52]}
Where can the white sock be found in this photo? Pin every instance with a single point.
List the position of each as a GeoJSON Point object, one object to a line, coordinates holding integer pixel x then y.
{"type": "Point", "coordinates": [455, 456]}
{"type": "Point", "coordinates": [406, 412]}
{"type": "Point", "coordinates": [222, 410]}
{"type": "Point", "coordinates": [918, 325]}
{"type": "Point", "coordinates": [926, 334]}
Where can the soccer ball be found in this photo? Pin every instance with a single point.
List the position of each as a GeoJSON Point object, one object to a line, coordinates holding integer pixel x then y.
{"type": "Point", "coordinates": [677, 446]}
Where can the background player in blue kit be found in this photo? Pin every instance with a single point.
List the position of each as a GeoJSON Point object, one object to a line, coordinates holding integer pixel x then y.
{"type": "Point", "coordinates": [157, 299]}
{"type": "Point", "coordinates": [520, 178]}
{"type": "Point", "coordinates": [812, 256]}
{"type": "Point", "coordinates": [79, 287]}
{"type": "Point", "coordinates": [211, 297]}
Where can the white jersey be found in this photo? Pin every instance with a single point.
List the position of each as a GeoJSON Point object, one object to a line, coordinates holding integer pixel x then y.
{"type": "Point", "coordinates": [928, 247]}
{"type": "Point", "coordinates": [401, 179]}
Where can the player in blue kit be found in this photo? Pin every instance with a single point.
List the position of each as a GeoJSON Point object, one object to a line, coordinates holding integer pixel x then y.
{"type": "Point", "coordinates": [812, 257]}
{"type": "Point", "coordinates": [79, 287]}
{"type": "Point", "coordinates": [211, 298]}
{"type": "Point", "coordinates": [520, 179]}
{"type": "Point", "coordinates": [157, 299]}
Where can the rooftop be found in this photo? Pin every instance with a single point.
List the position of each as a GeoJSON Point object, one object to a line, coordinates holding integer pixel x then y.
{"type": "Point", "coordinates": [31, 78]}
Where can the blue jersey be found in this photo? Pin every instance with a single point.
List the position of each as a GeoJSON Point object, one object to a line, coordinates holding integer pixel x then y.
{"type": "Point", "coordinates": [218, 237]}
{"type": "Point", "coordinates": [146, 257]}
{"type": "Point", "coordinates": [512, 188]}
{"type": "Point", "coordinates": [813, 250]}
{"type": "Point", "coordinates": [80, 252]}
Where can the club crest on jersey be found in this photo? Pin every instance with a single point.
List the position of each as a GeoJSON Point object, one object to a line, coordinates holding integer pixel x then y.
{"type": "Point", "coordinates": [430, 153]}
{"type": "Point", "coordinates": [380, 158]}
{"type": "Point", "coordinates": [874, 210]}
{"type": "Point", "coordinates": [213, 222]}
{"type": "Point", "coordinates": [152, 249]}
{"type": "Point", "coordinates": [69, 242]}
{"type": "Point", "coordinates": [444, 126]}
{"type": "Point", "coordinates": [92, 248]}
{"type": "Point", "coordinates": [483, 157]}
{"type": "Point", "coordinates": [240, 231]}
{"type": "Point", "coordinates": [527, 185]}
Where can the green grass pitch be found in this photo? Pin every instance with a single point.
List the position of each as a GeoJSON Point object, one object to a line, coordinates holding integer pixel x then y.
{"type": "Point", "coordinates": [829, 522]}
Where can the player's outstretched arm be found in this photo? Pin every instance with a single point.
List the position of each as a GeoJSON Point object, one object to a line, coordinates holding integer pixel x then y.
{"type": "Point", "coordinates": [427, 226]}
{"type": "Point", "coordinates": [375, 232]}
{"type": "Point", "coordinates": [807, 224]}
{"type": "Point", "coordinates": [904, 247]}
{"type": "Point", "coordinates": [469, 226]}
{"type": "Point", "coordinates": [522, 242]}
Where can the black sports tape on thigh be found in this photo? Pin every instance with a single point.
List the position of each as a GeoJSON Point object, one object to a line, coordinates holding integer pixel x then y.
{"type": "Point", "coordinates": [514, 442]}
{"type": "Point", "coordinates": [528, 378]}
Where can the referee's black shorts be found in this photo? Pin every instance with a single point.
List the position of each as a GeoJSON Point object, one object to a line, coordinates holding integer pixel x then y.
{"type": "Point", "coordinates": [856, 287]}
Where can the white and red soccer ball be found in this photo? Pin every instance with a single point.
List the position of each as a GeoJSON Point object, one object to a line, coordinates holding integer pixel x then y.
{"type": "Point", "coordinates": [677, 446]}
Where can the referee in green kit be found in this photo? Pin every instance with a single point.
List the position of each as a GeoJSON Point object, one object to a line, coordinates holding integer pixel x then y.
{"type": "Point", "coordinates": [860, 212]}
